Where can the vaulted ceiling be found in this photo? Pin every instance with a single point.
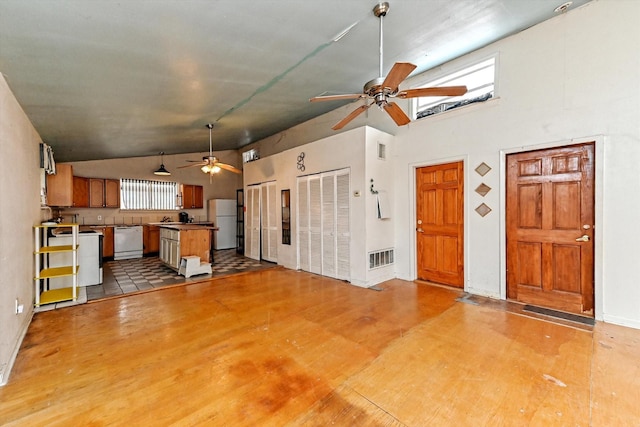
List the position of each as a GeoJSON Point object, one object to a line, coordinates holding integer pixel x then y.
{"type": "Point", "coordinates": [108, 79]}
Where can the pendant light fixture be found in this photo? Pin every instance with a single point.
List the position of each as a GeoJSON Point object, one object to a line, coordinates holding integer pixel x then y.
{"type": "Point", "coordinates": [161, 170]}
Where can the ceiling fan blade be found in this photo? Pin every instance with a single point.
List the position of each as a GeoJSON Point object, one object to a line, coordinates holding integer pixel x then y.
{"type": "Point", "coordinates": [336, 97]}
{"type": "Point", "coordinates": [200, 164]}
{"type": "Point", "coordinates": [433, 91]}
{"type": "Point", "coordinates": [397, 114]}
{"type": "Point", "coordinates": [355, 113]}
{"type": "Point", "coordinates": [398, 73]}
{"type": "Point", "coordinates": [228, 167]}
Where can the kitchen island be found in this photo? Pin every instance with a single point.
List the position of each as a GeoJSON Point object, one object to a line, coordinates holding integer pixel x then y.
{"type": "Point", "coordinates": [180, 240]}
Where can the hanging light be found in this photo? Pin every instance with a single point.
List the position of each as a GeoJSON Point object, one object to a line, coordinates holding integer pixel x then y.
{"type": "Point", "coordinates": [161, 170]}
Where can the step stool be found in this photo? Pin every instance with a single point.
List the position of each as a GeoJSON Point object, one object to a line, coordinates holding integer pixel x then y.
{"type": "Point", "coordinates": [191, 266]}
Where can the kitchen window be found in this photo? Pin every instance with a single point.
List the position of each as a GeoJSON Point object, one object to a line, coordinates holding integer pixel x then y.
{"type": "Point", "coordinates": [142, 194]}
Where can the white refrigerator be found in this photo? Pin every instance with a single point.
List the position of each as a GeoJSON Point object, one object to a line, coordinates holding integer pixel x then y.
{"type": "Point", "coordinates": [222, 212]}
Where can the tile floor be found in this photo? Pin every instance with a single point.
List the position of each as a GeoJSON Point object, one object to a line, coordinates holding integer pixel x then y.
{"type": "Point", "coordinates": [133, 275]}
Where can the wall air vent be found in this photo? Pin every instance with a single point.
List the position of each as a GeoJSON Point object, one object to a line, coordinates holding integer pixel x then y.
{"type": "Point", "coordinates": [381, 258]}
{"type": "Point", "coordinates": [382, 151]}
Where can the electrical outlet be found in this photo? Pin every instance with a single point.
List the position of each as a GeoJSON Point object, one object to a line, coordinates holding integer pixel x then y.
{"type": "Point", "coordinates": [99, 217]}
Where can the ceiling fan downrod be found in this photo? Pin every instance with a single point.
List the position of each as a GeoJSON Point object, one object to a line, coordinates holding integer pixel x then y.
{"type": "Point", "coordinates": [380, 11]}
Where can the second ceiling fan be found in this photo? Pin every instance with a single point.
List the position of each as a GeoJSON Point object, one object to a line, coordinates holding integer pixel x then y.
{"type": "Point", "coordinates": [382, 89]}
{"type": "Point", "coordinates": [210, 164]}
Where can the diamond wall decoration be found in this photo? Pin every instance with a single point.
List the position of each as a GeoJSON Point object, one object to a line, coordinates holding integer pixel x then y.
{"type": "Point", "coordinates": [483, 210]}
{"type": "Point", "coordinates": [483, 169]}
{"type": "Point", "coordinates": [483, 189]}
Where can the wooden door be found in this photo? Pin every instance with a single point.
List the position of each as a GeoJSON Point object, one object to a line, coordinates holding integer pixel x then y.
{"type": "Point", "coordinates": [198, 197]}
{"type": "Point", "coordinates": [80, 192]}
{"type": "Point", "coordinates": [60, 186]}
{"type": "Point", "coordinates": [440, 223]}
{"type": "Point", "coordinates": [96, 193]}
{"type": "Point", "coordinates": [111, 193]}
{"type": "Point", "coordinates": [550, 223]}
{"type": "Point", "coordinates": [107, 242]}
{"type": "Point", "coordinates": [187, 196]}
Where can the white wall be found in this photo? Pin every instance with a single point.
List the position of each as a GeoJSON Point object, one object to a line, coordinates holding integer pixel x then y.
{"type": "Point", "coordinates": [19, 212]}
{"type": "Point", "coordinates": [574, 78]}
{"type": "Point", "coordinates": [345, 150]}
{"type": "Point", "coordinates": [571, 79]}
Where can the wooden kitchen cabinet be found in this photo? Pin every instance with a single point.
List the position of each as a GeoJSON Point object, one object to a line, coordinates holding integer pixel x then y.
{"type": "Point", "coordinates": [107, 242]}
{"type": "Point", "coordinates": [80, 192]}
{"type": "Point", "coordinates": [104, 193]}
{"type": "Point", "coordinates": [60, 186]}
{"type": "Point", "coordinates": [179, 242]}
{"type": "Point", "coordinates": [192, 196]}
{"type": "Point", "coordinates": [151, 239]}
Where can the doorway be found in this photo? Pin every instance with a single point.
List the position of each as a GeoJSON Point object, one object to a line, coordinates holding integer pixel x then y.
{"type": "Point", "coordinates": [440, 223]}
{"type": "Point", "coordinates": [550, 228]}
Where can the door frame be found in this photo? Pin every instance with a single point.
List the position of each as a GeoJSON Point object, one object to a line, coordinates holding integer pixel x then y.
{"type": "Point", "coordinates": [599, 142]}
{"type": "Point", "coordinates": [412, 212]}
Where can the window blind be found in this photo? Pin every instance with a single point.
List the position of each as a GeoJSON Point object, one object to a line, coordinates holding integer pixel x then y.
{"type": "Point", "coordinates": [142, 194]}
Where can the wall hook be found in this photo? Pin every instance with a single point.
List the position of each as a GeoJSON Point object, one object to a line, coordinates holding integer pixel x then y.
{"type": "Point", "coordinates": [372, 190]}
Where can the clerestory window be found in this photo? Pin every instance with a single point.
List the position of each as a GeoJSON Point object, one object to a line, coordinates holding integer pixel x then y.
{"type": "Point", "coordinates": [479, 79]}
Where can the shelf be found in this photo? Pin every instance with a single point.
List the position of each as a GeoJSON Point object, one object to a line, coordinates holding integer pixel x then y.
{"type": "Point", "coordinates": [44, 271]}
{"type": "Point", "coordinates": [56, 295]}
{"type": "Point", "coordinates": [52, 249]}
{"type": "Point", "coordinates": [49, 273]}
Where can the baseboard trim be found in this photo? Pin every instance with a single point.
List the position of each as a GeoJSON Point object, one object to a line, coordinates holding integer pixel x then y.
{"type": "Point", "coordinates": [5, 369]}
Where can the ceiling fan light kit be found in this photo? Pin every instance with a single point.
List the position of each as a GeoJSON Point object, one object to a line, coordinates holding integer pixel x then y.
{"type": "Point", "coordinates": [162, 170]}
{"type": "Point", "coordinates": [380, 90]}
{"type": "Point", "coordinates": [210, 164]}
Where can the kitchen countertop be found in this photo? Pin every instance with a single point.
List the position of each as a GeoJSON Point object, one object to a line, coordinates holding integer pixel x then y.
{"type": "Point", "coordinates": [187, 226]}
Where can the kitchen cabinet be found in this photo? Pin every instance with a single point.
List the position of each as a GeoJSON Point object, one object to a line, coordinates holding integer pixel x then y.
{"type": "Point", "coordinates": [180, 241]}
{"type": "Point", "coordinates": [80, 192]}
{"type": "Point", "coordinates": [60, 186]}
{"type": "Point", "coordinates": [107, 242]}
{"type": "Point", "coordinates": [192, 196]}
{"type": "Point", "coordinates": [104, 193]}
{"type": "Point", "coordinates": [151, 239]}
{"type": "Point", "coordinates": [44, 272]}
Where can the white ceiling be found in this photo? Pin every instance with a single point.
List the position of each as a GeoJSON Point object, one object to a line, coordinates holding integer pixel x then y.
{"type": "Point", "coordinates": [107, 79]}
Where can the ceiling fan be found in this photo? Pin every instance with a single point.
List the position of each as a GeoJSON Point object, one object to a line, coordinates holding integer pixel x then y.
{"type": "Point", "coordinates": [210, 164]}
{"type": "Point", "coordinates": [382, 89]}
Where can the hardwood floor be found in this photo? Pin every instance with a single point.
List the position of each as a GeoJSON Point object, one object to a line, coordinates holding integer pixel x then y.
{"type": "Point", "coordinates": [280, 347]}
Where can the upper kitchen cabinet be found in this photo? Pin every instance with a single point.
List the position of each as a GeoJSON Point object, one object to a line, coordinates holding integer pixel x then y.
{"type": "Point", "coordinates": [80, 192]}
{"type": "Point", "coordinates": [104, 193]}
{"type": "Point", "coordinates": [192, 196]}
{"type": "Point", "coordinates": [60, 186]}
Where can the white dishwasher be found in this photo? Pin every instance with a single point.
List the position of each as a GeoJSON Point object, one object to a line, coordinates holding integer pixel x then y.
{"type": "Point", "coordinates": [127, 242]}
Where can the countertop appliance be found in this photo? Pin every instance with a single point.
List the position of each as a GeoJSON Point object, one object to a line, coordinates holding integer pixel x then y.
{"type": "Point", "coordinates": [89, 259]}
{"type": "Point", "coordinates": [222, 212]}
{"type": "Point", "coordinates": [127, 242]}
{"type": "Point", "coordinates": [184, 217]}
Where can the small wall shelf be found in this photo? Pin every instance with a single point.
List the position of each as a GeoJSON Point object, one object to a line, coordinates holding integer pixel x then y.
{"type": "Point", "coordinates": [43, 271]}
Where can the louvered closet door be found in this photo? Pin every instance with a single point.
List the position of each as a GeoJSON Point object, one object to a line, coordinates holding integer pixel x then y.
{"type": "Point", "coordinates": [303, 223]}
{"type": "Point", "coordinates": [328, 225]}
{"type": "Point", "coordinates": [323, 224]}
{"type": "Point", "coordinates": [315, 225]}
{"type": "Point", "coordinates": [343, 233]}
{"type": "Point", "coordinates": [269, 222]}
{"type": "Point", "coordinates": [252, 233]}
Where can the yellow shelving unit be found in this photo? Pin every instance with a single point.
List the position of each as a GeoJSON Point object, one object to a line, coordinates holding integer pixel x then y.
{"type": "Point", "coordinates": [44, 295]}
